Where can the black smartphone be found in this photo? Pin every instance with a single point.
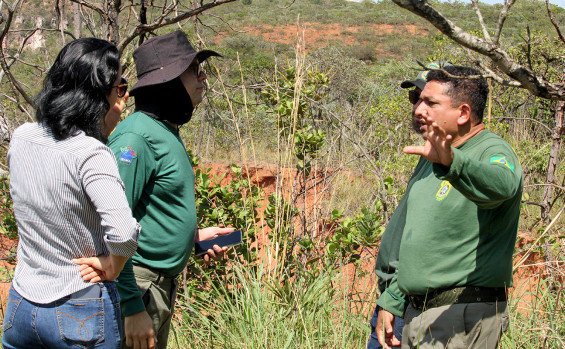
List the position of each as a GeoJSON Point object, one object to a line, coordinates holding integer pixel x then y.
{"type": "Point", "coordinates": [231, 239]}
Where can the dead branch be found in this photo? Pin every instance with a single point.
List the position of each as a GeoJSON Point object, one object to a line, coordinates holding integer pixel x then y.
{"type": "Point", "coordinates": [5, 65]}
{"type": "Point", "coordinates": [481, 20]}
{"type": "Point", "coordinates": [502, 19]}
{"type": "Point", "coordinates": [95, 7]}
{"type": "Point", "coordinates": [163, 21]}
{"type": "Point", "coordinates": [554, 22]}
{"type": "Point", "coordinates": [537, 85]}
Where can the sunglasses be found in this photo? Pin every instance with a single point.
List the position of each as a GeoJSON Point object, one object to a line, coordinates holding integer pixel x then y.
{"type": "Point", "coordinates": [413, 96]}
{"type": "Point", "coordinates": [195, 69]}
{"type": "Point", "coordinates": [122, 88]}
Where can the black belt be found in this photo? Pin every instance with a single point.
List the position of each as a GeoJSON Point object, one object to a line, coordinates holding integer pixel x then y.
{"type": "Point", "coordinates": [465, 294]}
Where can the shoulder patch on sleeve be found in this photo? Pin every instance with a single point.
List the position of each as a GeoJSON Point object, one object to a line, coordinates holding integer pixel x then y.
{"type": "Point", "coordinates": [502, 160]}
{"type": "Point", "coordinates": [127, 155]}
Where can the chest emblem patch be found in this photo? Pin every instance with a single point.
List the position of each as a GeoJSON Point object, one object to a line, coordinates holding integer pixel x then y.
{"type": "Point", "coordinates": [502, 160]}
{"type": "Point", "coordinates": [127, 155]}
{"type": "Point", "coordinates": [443, 190]}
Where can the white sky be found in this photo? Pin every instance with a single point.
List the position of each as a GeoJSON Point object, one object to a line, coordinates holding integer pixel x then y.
{"type": "Point", "coordinates": [556, 2]}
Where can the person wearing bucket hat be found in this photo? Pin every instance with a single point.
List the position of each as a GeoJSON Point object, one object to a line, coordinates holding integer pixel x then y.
{"type": "Point", "coordinates": [159, 182]}
{"type": "Point", "coordinates": [451, 239]}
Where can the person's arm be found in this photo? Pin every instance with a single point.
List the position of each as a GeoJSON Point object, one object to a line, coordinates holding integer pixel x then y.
{"type": "Point", "coordinates": [105, 189]}
{"type": "Point", "coordinates": [393, 303]}
{"type": "Point", "coordinates": [488, 182]}
{"type": "Point", "coordinates": [100, 268]}
{"type": "Point", "coordinates": [101, 182]}
{"type": "Point", "coordinates": [136, 163]}
{"type": "Point", "coordinates": [389, 248]}
{"type": "Point", "coordinates": [103, 186]}
{"type": "Point", "coordinates": [393, 300]}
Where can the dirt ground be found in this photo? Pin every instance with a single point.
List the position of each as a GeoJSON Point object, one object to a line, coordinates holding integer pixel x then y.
{"type": "Point", "coordinates": [322, 34]}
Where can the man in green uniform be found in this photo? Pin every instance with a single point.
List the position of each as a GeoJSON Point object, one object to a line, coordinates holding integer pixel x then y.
{"type": "Point", "coordinates": [460, 224]}
{"type": "Point", "coordinates": [159, 183]}
{"type": "Point", "coordinates": [387, 259]}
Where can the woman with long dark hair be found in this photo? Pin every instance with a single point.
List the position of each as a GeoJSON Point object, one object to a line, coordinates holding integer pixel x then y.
{"type": "Point", "coordinates": [70, 206]}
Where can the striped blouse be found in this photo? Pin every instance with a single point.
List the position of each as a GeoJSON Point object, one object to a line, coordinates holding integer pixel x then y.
{"type": "Point", "coordinates": [69, 202]}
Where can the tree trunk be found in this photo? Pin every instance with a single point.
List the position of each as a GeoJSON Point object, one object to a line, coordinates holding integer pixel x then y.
{"type": "Point", "coordinates": [112, 26]}
{"type": "Point", "coordinates": [77, 22]}
{"type": "Point", "coordinates": [556, 135]}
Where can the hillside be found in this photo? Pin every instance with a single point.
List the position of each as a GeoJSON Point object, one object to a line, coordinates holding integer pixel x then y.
{"type": "Point", "coordinates": [299, 142]}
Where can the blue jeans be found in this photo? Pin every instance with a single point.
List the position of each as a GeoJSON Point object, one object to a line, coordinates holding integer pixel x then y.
{"type": "Point", "coordinates": [373, 340]}
{"type": "Point", "coordinates": [69, 322]}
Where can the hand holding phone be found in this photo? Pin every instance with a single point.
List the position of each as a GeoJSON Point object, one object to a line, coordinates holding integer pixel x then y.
{"type": "Point", "coordinates": [228, 240]}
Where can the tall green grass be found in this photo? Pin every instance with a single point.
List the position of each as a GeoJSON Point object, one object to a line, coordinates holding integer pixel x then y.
{"type": "Point", "coordinates": [256, 309]}
{"type": "Point", "coordinates": [537, 317]}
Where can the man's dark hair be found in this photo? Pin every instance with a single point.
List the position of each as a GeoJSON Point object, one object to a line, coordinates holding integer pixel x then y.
{"type": "Point", "coordinates": [471, 91]}
{"type": "Point", "coordinates": [75, 90]}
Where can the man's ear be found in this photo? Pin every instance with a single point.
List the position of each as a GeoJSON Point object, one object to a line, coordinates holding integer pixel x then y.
{"type": "Point", "coordinates": [464, 114]}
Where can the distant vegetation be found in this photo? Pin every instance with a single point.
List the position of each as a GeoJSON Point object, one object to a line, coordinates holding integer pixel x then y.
{"type": "Point", "coordinates": [332, 111]}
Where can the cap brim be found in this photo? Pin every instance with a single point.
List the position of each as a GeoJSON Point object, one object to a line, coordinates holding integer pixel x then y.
{"type": "Point", "coordinates": [413, 83]}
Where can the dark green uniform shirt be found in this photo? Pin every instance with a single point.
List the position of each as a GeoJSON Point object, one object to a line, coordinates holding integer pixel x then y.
{"type": "Point", "coordinates": [461, 222]}
{"type": "Point", "coordinates": [389, 248]}
{"type": "Point", "coordinates": [159, 181]}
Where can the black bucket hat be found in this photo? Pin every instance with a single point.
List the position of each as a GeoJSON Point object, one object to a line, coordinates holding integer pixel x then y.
{"type": "Point", "coordinates": [165, 57]}
{"type": "Point", "coordinates": [420, 81]}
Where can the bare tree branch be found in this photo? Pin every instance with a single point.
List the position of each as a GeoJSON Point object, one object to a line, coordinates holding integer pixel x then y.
{"type": "Point", "coordinates": [91, 6]}
{"type": "Point", "coordinates": [163, 21]}
{"type": "Point", "coordinates": [501, 19]}
{"type": "Point", "coordinates": [226, 23]}
{"type": "Point", "coordinates": [554, 22]}
{"type": "Point", "coordinates": [8, 20]}
{"type": "Point", "coordinates": [481, 20]}
{"type": "Point", "coordinates": [4, 64]}
{"type": "Point", "coordinates": [496, 77]}
{"type": "Point", "coordinates": [535, 83]}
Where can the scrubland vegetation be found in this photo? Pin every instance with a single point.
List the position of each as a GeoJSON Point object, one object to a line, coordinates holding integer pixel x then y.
{"type": "Point", "coordinates": [327, 119]}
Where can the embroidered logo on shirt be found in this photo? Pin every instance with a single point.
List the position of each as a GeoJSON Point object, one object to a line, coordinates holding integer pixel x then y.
{"type": "Point", "coordinates": [443, 190]}
{"type": "Point", "coordinates": [502, 160]}
{"type": "Point", "coordinates": [127, 155]}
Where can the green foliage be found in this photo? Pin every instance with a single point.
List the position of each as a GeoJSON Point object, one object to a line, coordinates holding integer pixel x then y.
{"type": "Point", "coordinates": [342, 110]}
{"type": "Point", "coordinates": [353, 232]}
{"type": "Point", "coordinates": [307, 145]}
{"type": "Point", "coordinates": [234, 204]}
{"type": "Point", "coordinates": [8, 225]}
{"type": "Point", "coordinates": [279, 214]}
